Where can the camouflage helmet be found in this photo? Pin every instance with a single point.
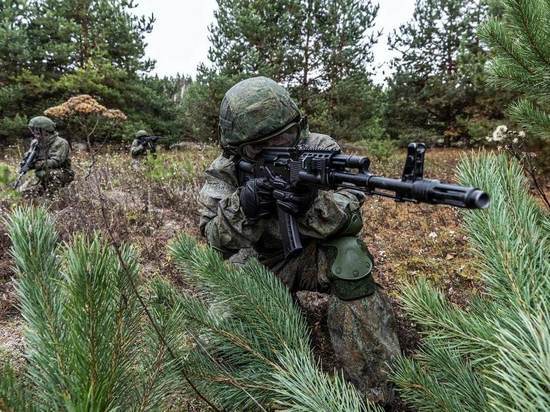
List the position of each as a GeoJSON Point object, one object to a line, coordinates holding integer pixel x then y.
{"type": "Point", "coordinates": [141, 133]}
{"type": "Point", "coordinates": [255, 109]}
{"type": "Point", "coordinates": [43, 123]}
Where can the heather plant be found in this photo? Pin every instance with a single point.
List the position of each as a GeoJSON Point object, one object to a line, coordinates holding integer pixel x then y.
{"type": "Point", "coordinates": [494, 355]}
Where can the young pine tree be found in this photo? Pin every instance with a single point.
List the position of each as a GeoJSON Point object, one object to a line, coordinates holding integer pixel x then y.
{"type": "Point", "coordinates": [495, 355]}
{"type": "Point", "coordinates": [249, 342]}
{"type": "Point", "coordinates": [86, 345]}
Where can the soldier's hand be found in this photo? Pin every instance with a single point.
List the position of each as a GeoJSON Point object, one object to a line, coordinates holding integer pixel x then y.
{"type": "Point", "coordinates": [256, 198]}
{"type": "Point", "coordinates": [295, 201]}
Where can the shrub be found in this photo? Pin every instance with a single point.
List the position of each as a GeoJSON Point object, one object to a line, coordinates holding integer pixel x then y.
{"type": "Point", "coordinates": [495, 355]}
{"type": "Point", "coordinates": [381, 149]}
{"type": "Point", "coordinates": [86, 119]}
{"type": "Point", "coordinates": [13, 127]}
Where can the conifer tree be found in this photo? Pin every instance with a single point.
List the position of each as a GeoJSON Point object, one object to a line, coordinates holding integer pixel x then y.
{"type": "Point", "coordinates": [320, 49]}
{"type": "Point", "coordinates": [250, 346]}
{"type": "Point", "coordinates": [519, 41]}
{"type": "Point", "coordinates": [440, 60]}
{"type": "Point", "coordinates": [242, 343]}
{"type": "Point", "coordinates": [83, 327]}
{"type": "Point", "coordinates": [55, 49]}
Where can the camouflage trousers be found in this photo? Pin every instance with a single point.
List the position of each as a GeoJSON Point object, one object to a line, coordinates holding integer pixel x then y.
{"type": "Point", "coordinates": [362, 331]}
{"type": "Point", "coordinates": [46, 182]}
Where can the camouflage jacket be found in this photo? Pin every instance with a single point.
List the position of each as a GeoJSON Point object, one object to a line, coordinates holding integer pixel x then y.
{"type": "Point", "coordinates": [137, 148]}
{"type": "Point", "coordinates": [52, 154]}
{"type": "Point", "coordinates": [228, 230]}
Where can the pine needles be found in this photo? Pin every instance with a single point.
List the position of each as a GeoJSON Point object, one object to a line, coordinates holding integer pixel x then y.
{"type": "Point", "coordinates": [250, 342]}
{"type": "Point", "coordinates": [83, 328]}
{"type": "Point", "coordinates": [496, 355]}
{"type": "Point", "coordinates": [520, 42]}
{"type": "Point", "coordinates": [243, 343]}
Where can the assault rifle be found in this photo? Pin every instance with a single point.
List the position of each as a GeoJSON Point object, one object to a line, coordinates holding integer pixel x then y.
{"type": "Point", "coordinates": [331, 169]}
{"type": "Point", "coordinates": [149, 140]}
{"type": "Point", "coordinates": [27, 163]}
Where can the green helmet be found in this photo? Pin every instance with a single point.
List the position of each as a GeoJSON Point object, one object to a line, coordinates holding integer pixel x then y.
{"type": "Point", "coordinates": [42, 122]}
{"type": "Point", "coordinates": [141, 133]}
{"type": "Point", "coordinates": [255, 109]}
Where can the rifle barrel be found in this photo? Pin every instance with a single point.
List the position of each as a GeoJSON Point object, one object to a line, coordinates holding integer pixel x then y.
{"type": "Point", "coordinates": [424, 190]}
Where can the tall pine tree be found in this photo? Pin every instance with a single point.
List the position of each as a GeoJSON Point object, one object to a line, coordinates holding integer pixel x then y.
{"type": "Point", "coordinates": [437, 72]}
{"type": "Point", "coordinates": [320, 49]}
{"type": "Point", "coordinates": [55, 49]}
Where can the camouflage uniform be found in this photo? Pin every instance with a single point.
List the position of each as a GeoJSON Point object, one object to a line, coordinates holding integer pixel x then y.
{"type": "Point", "coordinates": [139, 148]}
{"type": "Point", "coordinates": [52, 165]}
{"type": "Point", "coordinates": [359, 318]}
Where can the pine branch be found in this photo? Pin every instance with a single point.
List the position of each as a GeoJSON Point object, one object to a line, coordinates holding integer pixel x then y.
{"type": "Point", "coordinates": [252, 344]}
{"type": "Point", "coordinates": [531, 117]}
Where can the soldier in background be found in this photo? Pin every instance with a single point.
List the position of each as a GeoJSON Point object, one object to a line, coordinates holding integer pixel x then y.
{"type": "Point", "coordinates": [50, 156]}
{"type": "Point", "coordinates": [239, 220]}
{"type": "Point", "coordinates": [143, 143]}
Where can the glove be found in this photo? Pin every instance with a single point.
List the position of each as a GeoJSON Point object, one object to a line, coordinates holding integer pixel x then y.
{"type": "Point", "coordinates": [294, 201]}
{"type": "Point", "coordinates": [256, 198]}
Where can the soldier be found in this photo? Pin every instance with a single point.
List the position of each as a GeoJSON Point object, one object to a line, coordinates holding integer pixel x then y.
{"type": "Point", "coordinates": [51, 162]}
{"type": "Point", "coordinates": [239, 221]}
{"type": "Point", "coordinates": [142, 143]}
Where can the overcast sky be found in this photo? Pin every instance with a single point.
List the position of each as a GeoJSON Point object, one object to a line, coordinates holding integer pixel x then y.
{"type": "Point", "coordinates": [179, 41]}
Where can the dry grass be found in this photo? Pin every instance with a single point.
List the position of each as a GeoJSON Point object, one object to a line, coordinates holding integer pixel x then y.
{"type": "Point", "coordinates": [148, 205]}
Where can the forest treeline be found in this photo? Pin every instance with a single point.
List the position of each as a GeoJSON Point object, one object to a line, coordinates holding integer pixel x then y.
{"type": "Point", "coordinates": [322, 50]}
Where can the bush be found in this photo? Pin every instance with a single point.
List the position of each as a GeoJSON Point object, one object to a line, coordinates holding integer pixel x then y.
{"type": "Point", "coordinates": [5, 174]}
{"type": "Point", "coordinates": [477, 129]}
{"type": "Point", "coordinates": [380, 149]}
{"type": "Point", "coordinates": [86, 119]}
{"type": "Point", "coordinates": [13, 127]}
{"type": "Point", "coordinates": [495, 355]}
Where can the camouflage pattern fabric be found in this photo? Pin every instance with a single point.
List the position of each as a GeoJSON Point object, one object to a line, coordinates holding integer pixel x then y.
{"type": "Point", "coordinates": [52, 166]}
{"type": "Point", "coordinates": [254, 109]}
{"type": "Point", "coordinates": [363, 350]}
{"type": "Point", "coordinates": [137, 149]}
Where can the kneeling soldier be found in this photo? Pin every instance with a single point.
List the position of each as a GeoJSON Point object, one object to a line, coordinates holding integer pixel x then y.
{"type": "Point", "coordinates": [50, 156]}
{"type": "Point", "coordinates": [238, 219]}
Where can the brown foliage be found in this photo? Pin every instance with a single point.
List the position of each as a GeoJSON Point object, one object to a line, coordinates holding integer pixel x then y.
{"type": "Point", "coordinates": [84, 105]}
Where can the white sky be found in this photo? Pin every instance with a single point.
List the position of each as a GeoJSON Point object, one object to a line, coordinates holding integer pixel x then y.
{"type": "Point", "coordinates": [179, 41]}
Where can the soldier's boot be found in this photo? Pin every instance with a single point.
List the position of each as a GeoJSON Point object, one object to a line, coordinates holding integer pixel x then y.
{"type": "Point", "coordinates": [363, 336]}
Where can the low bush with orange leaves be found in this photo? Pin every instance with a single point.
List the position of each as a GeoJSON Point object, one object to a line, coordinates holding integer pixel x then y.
{"type": "Point", "coordinates": [86, 119]}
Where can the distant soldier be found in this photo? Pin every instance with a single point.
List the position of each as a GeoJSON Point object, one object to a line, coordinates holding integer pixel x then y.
{"type": "Point", "coordinates": [143, 143]}
{"type": "Point", "coordinates": [48, 156]}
